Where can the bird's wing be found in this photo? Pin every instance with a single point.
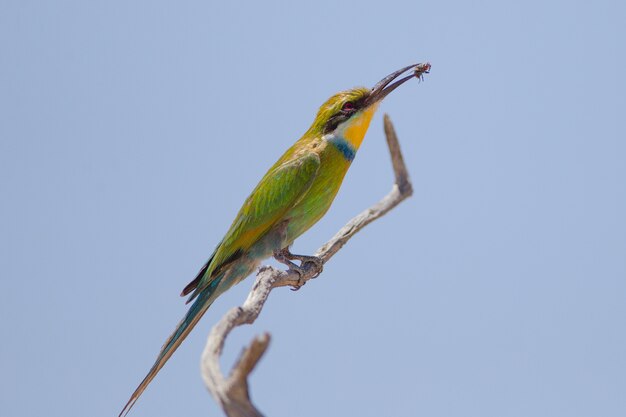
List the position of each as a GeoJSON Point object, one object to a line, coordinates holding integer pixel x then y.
{"type": "Point", "coordinates": [279, 190]}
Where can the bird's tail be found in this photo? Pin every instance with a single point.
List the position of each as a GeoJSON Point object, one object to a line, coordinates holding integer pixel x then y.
{"type": "Point", "coordinates": [197, 309]}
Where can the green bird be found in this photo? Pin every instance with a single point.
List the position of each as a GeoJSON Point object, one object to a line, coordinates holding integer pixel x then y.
{"type": "Point", "coordinates": [292, 196]}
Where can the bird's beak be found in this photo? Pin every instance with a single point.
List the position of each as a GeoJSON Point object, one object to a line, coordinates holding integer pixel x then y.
{"type": "Point", "coordinates": [385, 86]}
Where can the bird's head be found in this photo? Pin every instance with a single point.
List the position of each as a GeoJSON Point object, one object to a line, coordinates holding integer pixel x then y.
{"type": "Point", "coordinates": [347, 114]}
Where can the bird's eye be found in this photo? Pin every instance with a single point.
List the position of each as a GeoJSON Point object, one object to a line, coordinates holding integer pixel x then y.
{"type": "Point", "coordinates": [348, 107]}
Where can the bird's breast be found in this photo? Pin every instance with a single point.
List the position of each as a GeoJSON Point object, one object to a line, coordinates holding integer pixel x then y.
{"type": "Point", "coordinates": [316, 202]}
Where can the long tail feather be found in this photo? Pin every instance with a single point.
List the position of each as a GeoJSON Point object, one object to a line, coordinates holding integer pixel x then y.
{"type": "Point", "coordinates": [197, 309]}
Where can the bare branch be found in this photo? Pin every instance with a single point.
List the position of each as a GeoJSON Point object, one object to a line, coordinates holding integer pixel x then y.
{"type": "Point", "coordinates": [232, 392]}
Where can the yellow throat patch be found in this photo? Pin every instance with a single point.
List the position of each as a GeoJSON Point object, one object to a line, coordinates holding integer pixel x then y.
{"type": "Point", "coordinates": [357, 126]}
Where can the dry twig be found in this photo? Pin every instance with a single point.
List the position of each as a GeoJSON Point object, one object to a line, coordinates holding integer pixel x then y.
{"type": "Point", "coordinates": [232, 392]}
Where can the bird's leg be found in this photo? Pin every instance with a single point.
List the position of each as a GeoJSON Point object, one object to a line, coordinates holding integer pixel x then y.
{"type": "Point", "coordinates": [285, 257]}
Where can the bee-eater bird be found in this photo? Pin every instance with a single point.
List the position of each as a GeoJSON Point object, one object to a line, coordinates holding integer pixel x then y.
{"type": "Point", "coordinates": [292, 196]}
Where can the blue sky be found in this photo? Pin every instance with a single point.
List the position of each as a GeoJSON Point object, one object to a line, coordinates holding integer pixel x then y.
{"type": "Point", "coordinates": [131, 133]}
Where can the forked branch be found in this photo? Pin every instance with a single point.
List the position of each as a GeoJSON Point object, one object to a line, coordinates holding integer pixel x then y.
{"type": "Point", "coordinates": [232, 392]}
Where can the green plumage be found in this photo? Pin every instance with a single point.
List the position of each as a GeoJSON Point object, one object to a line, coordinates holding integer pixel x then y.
{"type": "Point", "coordinates": [292, 196]}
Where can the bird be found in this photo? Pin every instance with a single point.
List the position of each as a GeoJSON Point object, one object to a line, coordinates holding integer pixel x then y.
{"type": "Point", "coordinates": [292, 196]}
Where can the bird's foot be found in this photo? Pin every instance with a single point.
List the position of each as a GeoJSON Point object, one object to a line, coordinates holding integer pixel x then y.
{"type": "Point", "coordinates": [306, 262]}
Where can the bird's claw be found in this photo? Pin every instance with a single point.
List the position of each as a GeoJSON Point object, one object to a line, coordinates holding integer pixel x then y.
{"type": "Point", "coordinates": [306, 263]}
{"type": "Point", "coordinates": [317, 264]}
{"type": "Point", "coordinates": [300, 282]}
{"type": "Point", "coordinates": [300, 271]}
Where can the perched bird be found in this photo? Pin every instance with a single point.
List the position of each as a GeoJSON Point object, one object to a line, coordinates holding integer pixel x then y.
{"type": "Point", "coordinates": [292, 196]}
